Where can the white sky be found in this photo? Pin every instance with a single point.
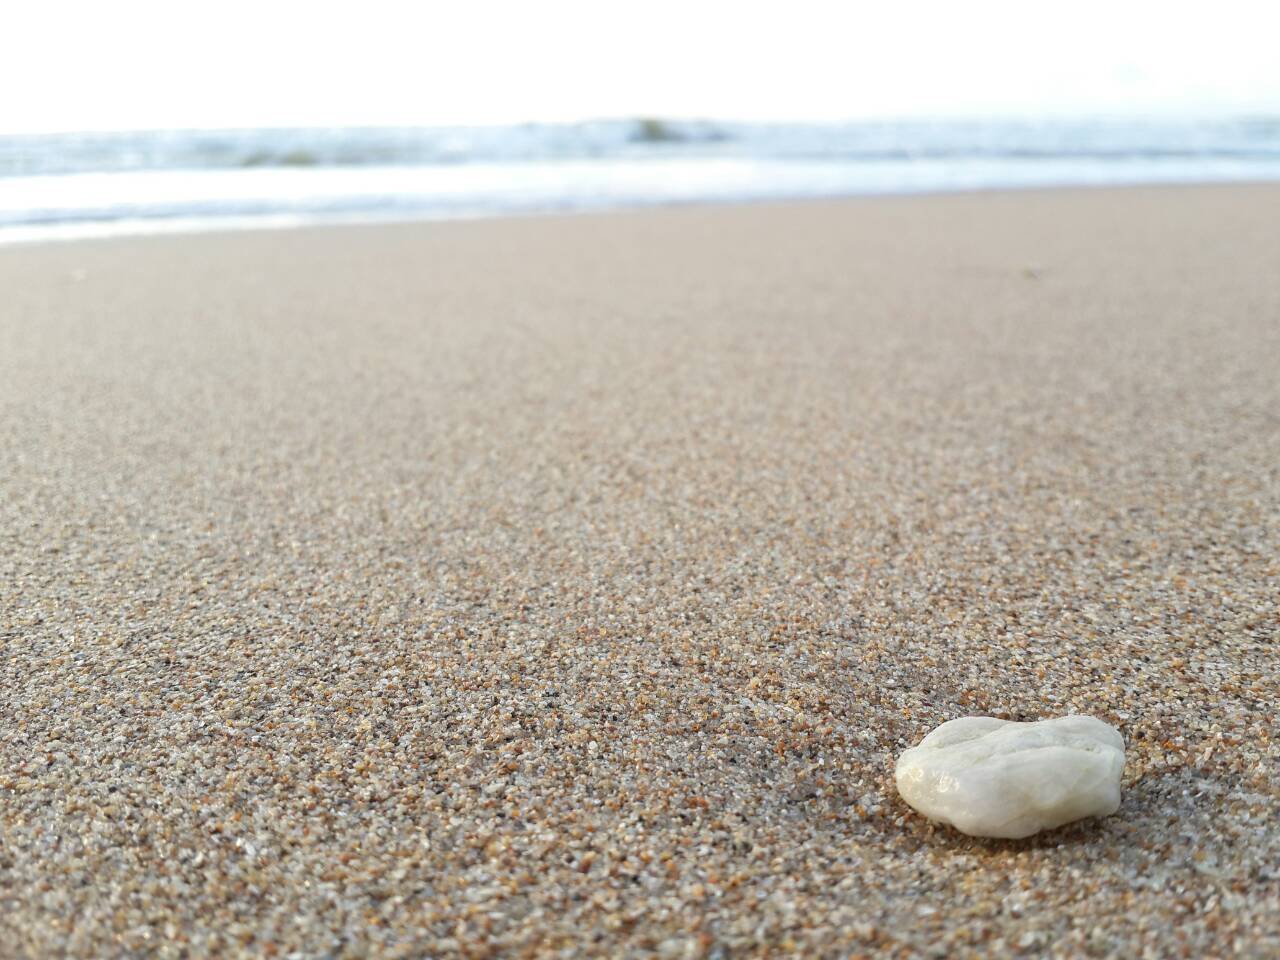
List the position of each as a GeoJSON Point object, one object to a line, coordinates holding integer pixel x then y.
{"type": "Point", "coordinates": [118, 64]}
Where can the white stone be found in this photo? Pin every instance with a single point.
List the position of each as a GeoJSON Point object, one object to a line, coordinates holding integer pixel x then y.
{"type": "Point", "coordinates": [998, 778]}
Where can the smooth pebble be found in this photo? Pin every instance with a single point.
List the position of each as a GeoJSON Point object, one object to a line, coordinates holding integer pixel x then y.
{"type": "Point", "coordinates": [999, 778]}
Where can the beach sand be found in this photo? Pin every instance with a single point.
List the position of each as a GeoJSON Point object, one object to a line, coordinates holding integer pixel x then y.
{"type": "Point", "coordinates": [569, 585]}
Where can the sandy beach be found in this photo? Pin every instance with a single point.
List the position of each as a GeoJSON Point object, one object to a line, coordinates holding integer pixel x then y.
{"type": "Point", "coordinates": [567, 586]}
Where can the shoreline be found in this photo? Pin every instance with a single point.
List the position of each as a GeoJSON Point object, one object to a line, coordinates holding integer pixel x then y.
{"type": "Point", "coordinates": [64, 231]}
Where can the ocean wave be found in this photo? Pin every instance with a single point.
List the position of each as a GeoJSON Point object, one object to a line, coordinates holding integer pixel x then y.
{"type": "Point", "coordinates": [1242, 138]}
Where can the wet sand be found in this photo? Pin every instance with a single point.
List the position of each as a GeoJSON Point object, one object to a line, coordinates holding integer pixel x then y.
{"type": "Point", "coordinates": [568, 586]}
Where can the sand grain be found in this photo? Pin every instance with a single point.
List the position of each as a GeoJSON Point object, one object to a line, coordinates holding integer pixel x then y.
{"type": "Point", "coordinates": [569, 586]}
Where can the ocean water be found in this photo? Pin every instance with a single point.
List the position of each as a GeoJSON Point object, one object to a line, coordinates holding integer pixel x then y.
{"type": "Point", "coordinates": [68, 185]}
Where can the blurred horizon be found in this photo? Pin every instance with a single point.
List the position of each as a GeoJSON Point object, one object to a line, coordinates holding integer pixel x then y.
{"type": "Point", "coordinates": [146, 115]}
{"type": "Point", "coordinates": [1245, 134]}
{"type": "Point", "coordinates": [83, 184]}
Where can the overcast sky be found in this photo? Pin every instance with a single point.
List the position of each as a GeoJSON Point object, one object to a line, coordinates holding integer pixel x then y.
{"type": "Point", "coordinates": [92, 64]}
